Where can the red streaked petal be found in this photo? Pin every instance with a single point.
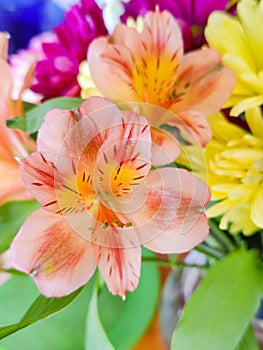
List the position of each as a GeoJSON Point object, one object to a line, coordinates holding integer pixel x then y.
{"type": "Point", "coordinates": [161, 35]}
{"type": "Point", "coordinates": [172, 218]}
{"type": "Point", "coordinates": [210, 84]}
{"type": "Point", "coordinates": [109, 70]}
{"type": "Point", "coordinates": [59, 260]}
{"type": "Point", "coordinates": [120, 268]}
{"type": "Point", "coordinates": [53, 186]}
{"type": "Point", "coordinates": [124, 158]}
{"type": "Point", "coordinates": [194, 125]}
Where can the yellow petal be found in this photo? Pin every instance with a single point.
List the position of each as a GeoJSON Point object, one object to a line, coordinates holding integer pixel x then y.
{"type": "Point", "coordinates": [254, 120]}
{"type": "Point", "coordinates": [257, 207]}
{"type": "Point", "coordinates": [246, 104]}
{"type": "Point", "coordinates": [219, 208]}
{"type": "Point", "coordinates": [251, 16]}
{"type": "Point", "coordinates": [225, 34]}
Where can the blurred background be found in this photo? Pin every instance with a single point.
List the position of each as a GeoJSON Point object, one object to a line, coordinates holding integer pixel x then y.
{"type": "Point", "coordinates": [23, 19]}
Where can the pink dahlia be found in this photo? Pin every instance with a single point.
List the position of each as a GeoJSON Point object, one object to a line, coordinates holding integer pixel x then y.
{"type": "Point", "coordinates": [56, 74]}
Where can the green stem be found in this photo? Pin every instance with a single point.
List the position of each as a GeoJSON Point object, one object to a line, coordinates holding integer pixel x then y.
{"type": "Point", "coordinates": [169, 263]}
{"type": "Point", "coordinates": [222, 237]}
{"type": "Point", "coordinates": [209, 251]}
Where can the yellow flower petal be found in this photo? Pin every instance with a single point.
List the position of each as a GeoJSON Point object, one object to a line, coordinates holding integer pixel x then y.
{"type": "Point", "coordinates": [250, 13]}
{"type": "Point", "coordinates": [247, 103]}
{"type": "Point", "coordinates": [225, 34]}
{"type": "Point", "coordinates": [255, 122]}
{"type": "Point", "coordinates": [257, 207]}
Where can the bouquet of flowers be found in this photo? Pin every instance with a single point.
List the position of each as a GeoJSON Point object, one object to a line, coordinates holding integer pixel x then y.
{"type": "Point", "coordinates": [131, 149]}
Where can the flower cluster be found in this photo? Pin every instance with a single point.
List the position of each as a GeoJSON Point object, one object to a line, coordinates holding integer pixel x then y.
{"type": "Point", "coordinates": [108, 174]}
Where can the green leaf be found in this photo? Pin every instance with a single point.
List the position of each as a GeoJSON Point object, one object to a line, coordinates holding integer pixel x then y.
{"type": "Point", "coordinates": [35, 117]}
{"type": "Point", "coordinates": [41, 308]}
{"type": "Point", "coordinates": [223, 305]}
{"type": "Point", "coordinates": [18, 122]}
{"type": "Point", "coordinates": [248, 341]}
{"type": "Point", "coordinates": [63, 330]}
{"type": "Point", "coordinates": [126, 321]}
{"type": "Point", "coordinates": [96, 337]}
{"type": "Point", "coordinates": [12, 215]}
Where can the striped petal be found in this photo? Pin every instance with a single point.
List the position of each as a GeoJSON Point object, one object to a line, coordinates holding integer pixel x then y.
{"type": "Point", "coordinates": [59, 260]}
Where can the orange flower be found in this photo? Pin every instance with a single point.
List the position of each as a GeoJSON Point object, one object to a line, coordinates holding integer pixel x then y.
{"type": "Point", "coordinates": [14, 144]}
{"type": "Point", "coordinates": [150, 67]}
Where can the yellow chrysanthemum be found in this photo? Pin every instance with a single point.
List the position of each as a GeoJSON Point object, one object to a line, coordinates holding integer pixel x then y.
{"type": "Point", "coordinates": [235, 173]}
{"type": "Point", "coordinates": [87, 85]}
{"type": "Point", "coordinates": [239, 40]}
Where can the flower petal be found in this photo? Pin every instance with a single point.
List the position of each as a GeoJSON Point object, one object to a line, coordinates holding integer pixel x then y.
{"type": "Point", "coordinates": [111, 70]}
{"type": "Point", "coordinates": [123, 159]}
{"type": "Point", "coordinates": [4, 38]}
{"type": "Point", "coordinates": [5, 91]}
{"type": "Point", "coordinates": [172, 218]}
{"type": "Point", "coordinates": [199, 70]}
{"type": "Point", "coordinates": [257, 207]}
{"type": "Point", "coordinates": [165, 147]}
{"type": "Point", "coordinates": [194, 125]}
{"type": "Point", "coordinates": [59, 260]}
{"type": "Point", "coordinates": [11, 185]}
{"type": "Point", "coordinates": [120, 268]}
{"type": "Point", "coordinates": [56, 127]}
{"type": "Point", "coordinates": [136, 65]}
{"type": "Point", "coordinates": [246, 103]}
{"type": "Point", "coordinates": [54, 186]}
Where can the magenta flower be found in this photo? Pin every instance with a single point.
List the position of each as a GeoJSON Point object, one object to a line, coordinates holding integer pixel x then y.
{"type": "Point", "coordinates": [56, 74]}
{"type": "Point", "coordinates": [101, 202]}
{"type": "Point", "coordinates": [192, 15]}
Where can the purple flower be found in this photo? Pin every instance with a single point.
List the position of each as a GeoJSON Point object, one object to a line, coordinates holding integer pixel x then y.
{"type": "Point", "coordinates": [56, 74]}
{"type": "Point", "coordinates": [192, 15]}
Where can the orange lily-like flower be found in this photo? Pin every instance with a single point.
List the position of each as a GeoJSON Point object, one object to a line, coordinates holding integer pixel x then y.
{"type": "Point", "coordinates": [14, 144]}
{"type": "Point", "coordinates": [150, 67]}
{"type": "Point", "coordinates": [101, 201]}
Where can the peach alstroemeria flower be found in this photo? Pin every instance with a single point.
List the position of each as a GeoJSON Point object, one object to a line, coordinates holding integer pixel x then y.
{"type": "Point", "coordinates": [101, 202]}
{"type": "Point", "coordinates": [14, 144]}
{"type": "Point", "coordinates": [150, 67]}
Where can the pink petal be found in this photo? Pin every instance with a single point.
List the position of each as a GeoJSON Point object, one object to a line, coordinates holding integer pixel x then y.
{"type": "Point", "coordinates": [4, 38]}
{"type": "Point", "coordinates": [38, 175]}
{"type": "Point", "coordinates": [123, 159]}
{"type": "Point", "coordinates": [194, 125]}
{"type": "Point", "coordinates": [11, 185]}
{"type": "Point", "coordinates": [59, 260]}
{"type": "Point", "coordinates": [5, 264]}
{"type": "Point", "coordinates": [54, 186]}
{"type": "Point", "coordinates": [5, 91]}
{"type": "Point", "coordinates": [162, 35]}
{"type": "Point", "coordinates": [54, 130]}
{"type": "Point", "coordinates": [172, 218]}
{"type": "Point", "coordinates": [165, 148]}
{"type": "Point", "coordinates": [210, 86]}
{"type": "Point", "coordinates": [120, 268]}
{"type": "Point", "coordinates": [111, 70]}
{"type": "Point", "coordinates": [101, 113]}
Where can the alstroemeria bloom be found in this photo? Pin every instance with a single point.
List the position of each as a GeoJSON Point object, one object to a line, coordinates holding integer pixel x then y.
{"type": "Point", "coordinates": [14, 144]}
{"type": "Point", "coordinates": [235, 173]}
{"type": "Point", "coordinates": [100, 201]}
{"type": "Point", "coordinates": [239, 40]}
{"type": "Point", "coordinates": [150, 67]}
